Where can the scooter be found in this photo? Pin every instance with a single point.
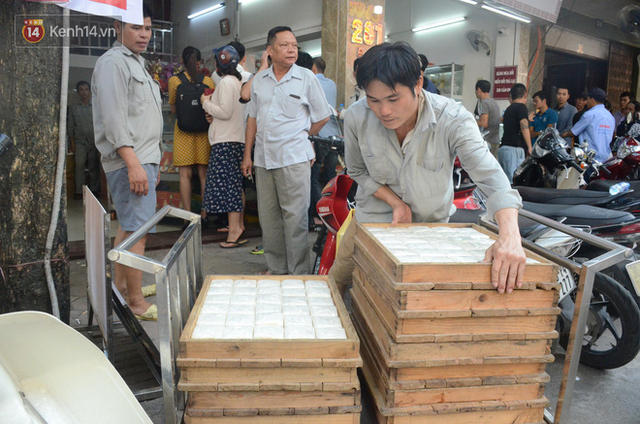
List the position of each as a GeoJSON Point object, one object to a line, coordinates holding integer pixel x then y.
{"type": "Point", "coordinates": [624, 164]}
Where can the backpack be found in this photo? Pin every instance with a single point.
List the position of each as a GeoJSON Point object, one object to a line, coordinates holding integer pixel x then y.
{"type": "Point", "coordinates": [189, 112]}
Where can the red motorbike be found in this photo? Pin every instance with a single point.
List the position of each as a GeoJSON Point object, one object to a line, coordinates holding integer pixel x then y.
{"type": "Point", "coordinates": [623, 165]}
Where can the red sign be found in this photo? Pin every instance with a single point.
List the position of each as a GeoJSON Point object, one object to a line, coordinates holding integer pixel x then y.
{"type": "Point", "coordinates": [503, 79]}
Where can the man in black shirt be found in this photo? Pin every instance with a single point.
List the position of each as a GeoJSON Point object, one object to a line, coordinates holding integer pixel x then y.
{"type": "Point", "coordinates": [516, 139]}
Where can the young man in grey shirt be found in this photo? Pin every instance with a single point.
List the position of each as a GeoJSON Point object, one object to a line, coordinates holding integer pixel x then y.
{"type": "Point", "coordinates": [400, 145]}
{"type": "Point", "coordinates": [487, 115]}
{"type": "Point", "coordinates": [127, 118]}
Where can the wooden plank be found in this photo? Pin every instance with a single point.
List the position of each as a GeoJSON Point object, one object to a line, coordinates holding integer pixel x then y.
{"type": "Point", "coordinates": [438, 352]}
{"type": "Point", "coordinates": [266, 375]}
{"type": "Point", "coordinates": [465, 394]}
{"type": "Point", "coordinates": [266, 419]}
{"type": "Point", "coordinates": [269, 349]}
{"type": "Point", "coordinates": [452, 272]}
{"type": "Point", "coordinates": [271, 399]}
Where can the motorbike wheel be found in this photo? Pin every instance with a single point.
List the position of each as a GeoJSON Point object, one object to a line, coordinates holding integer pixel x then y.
{"type": "Point", "coordinates": [318, 248]}
{"type": "Point", "coordinates": [619, 273]}
{"type": "Point", "coordinates": [612, 337]}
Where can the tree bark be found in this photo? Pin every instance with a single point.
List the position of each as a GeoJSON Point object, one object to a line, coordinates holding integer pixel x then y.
{"type": "Point", "coordinates": [29, 114]}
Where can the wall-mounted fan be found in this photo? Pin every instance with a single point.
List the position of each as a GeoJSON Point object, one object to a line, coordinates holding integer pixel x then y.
{"type": "Point", "coordinates": [629, 20]}
{"type": "Point", "coordinates": [479, 41]}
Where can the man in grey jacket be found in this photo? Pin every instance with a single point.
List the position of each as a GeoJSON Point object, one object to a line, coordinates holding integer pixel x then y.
{"type": "Point", "coordinates": [401, 142]}
{"type": "Point", "coordinates": [127, 120]}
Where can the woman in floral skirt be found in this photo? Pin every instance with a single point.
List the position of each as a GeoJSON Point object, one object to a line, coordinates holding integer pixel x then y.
{"type": "Point", "coordinates": [223, 189]}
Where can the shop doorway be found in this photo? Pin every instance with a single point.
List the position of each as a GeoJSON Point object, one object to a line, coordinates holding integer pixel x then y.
{"type": "Point", "coordinates": [575, 72]}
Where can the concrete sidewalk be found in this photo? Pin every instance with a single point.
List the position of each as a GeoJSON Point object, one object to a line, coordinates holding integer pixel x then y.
{"type": "Point", "coordinates": [600, 396]}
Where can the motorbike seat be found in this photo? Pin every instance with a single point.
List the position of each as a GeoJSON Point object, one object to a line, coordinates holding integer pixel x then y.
{"type": "Point", "coordinates": [605, 185]}
{"type": "Point", "coordinates": [566, 197]}
{"type": "Point", "coordinates": [580, 214]}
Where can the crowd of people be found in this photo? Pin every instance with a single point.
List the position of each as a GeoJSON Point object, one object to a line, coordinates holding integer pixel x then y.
{"type": "Point", "coordinates": [590, 121]}
{"type": "Point", "coordinates": [401, 138]}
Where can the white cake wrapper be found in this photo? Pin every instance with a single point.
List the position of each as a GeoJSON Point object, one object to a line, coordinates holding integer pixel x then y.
{"type": "Point", "coordinates": [297, 320]}
{"type": "Point", "coordinates": [316, 284]}
{"type": "Point", "coordinates": [245, 283]}
{"type": "Point", "coordinates": [268, 332]}
{"type": "Point", "coordinates": [208, 332]}
{"type": "Point", "coordinates": [269, 289]}
{"type": "Point", "coordinates": [327, 322]}
{"type": "Point", "coordinates": [289, 300]}
{"type": "Point", "coordinates": [293, 292]}
{"type": "Point", "coordinates": [299, 332]}
{"type": "Point", "coordinates": [246, 291]}
{"type": "Point", "coordinates": [214, 291]}
{"type": "Point", "coordinates": [268, 283]}
{"type": "Point", "coordinates": [272, 298]}
{"type": "Point", "coordinates": [295, 310]}
{"type": "Point", "coordinates": [212, 319]}
{"type": "Point", "coordinates": [318, 292]}
{"type": "Point", "coordinates": [242, 299]}
{"type": "Point", "coordinates": [238, 332]}
{"type": "Point", "coordinates": [331, 333]}
{"type": "Point", "coordinates": [262, 308]}
{"type": "Point", "coordinates": [323, 311]}
{"type": "Point", "coordinates": [222, 283]}
{"type": "Point", "coordinates": [269, 318]}
{"type": "Point", "coordinates": [239, 319]}
{"type": "Point", "coordinates": [214, 308]}
{"type": "Point", "coordinates": [292, 283]}
{"type": "Point", "coordinates": [242, 309]}
{"type": "Point", "coordinates": [219, 299]}
{"type": "Point", "coordinates": [320, 301]}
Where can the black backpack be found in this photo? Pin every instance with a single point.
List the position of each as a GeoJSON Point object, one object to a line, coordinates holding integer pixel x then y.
{"type": "Point", "coordinates": [191, 117]}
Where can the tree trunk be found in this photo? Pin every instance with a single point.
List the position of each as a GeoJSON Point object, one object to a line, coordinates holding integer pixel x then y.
{"type": "Point", "coordinates": [29, 114]}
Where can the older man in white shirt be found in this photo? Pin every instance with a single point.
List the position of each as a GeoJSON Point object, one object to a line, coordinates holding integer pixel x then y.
{"type": "Point", "coordinates": [287, 105]}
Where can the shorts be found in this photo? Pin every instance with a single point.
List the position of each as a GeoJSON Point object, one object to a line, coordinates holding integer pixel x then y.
{"type": "Point", "coordinates": [133, 210]}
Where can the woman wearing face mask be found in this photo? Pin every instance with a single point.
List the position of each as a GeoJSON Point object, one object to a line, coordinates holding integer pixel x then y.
{"type": "Point", "coordinates": [630, 117]}
{"type": "Point", "coordinates": [224, 192]}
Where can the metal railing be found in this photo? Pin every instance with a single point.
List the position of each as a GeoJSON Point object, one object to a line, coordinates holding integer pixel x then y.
{"type": "Point", "coordinates": [614, 253]}
{"type": "Point", "coordinates": [178, 278]}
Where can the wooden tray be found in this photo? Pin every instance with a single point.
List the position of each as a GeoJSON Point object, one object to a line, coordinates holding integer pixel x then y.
{"type": "Point", "coordinates": [273, 399]}
{"type": "Point", "coordinates": [441, 353]}
{"type": "Point", "coordinates": [459, 273]}
{"type": "Point", "coordinates": [251, 416]}
{"type": "Point", "coordinates": [474, 297]}
{"type": "Point", "coordinates": [489, 323]}
{"type": "Point", "coordinates": [269, 349]}
{"type": "Point", "coordinates": [401, 394]}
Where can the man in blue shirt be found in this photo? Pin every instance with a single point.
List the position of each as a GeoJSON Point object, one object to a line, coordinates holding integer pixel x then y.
{"type": "Point", "coordinates": [428, 84]}
{"type": "Point", "coordinates": [565, 111]}
{"type": "Point", "coordinates": [596, 125]}
{"type": "Point", "coordinates": [545, 117]}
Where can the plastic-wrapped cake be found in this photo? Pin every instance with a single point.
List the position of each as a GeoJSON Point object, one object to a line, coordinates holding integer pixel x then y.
{"type": "Point", "coordinates": [268, 309]}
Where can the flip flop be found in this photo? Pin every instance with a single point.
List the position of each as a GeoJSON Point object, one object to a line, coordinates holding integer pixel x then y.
{"type": "Point", "coordinates": [233, 244]}
{"type": "Point", "coordinates": [149, 290]}
{"type": "Point", "coordinates": [150, 315]}
{"type": "Point", "coordinates": [259, 250]}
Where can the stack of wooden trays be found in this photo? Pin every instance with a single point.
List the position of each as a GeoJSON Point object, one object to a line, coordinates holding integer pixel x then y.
{"type": "Point", "coordinates": [441, 345]}
{"type": "Point", "coordinates": [271, 380]}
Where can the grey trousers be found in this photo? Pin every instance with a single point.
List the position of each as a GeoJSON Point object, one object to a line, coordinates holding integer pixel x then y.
{"type": "Point", "coordinates": [283, 202]}
{"type": "Point", "coordinates": [87, 153]}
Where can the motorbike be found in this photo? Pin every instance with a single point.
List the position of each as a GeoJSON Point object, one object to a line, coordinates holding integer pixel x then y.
{"type": "Point", "coordinates": [623, 165]}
